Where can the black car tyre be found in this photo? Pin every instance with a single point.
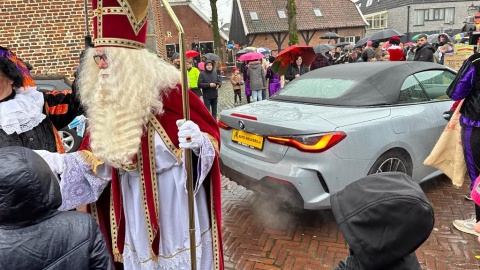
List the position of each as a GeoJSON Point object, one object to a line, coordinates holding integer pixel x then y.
{"type": "Point", "coordinates": [392, 161]}
{"type": "Point", "coordinates": [71, 141]}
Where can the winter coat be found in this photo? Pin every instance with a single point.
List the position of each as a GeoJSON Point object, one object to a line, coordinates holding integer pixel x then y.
{"type": "Point", "coordinates": [207, 77]}
{"type": "Point", "coordinates": [256, 74]}
{"type": "Point", "coordinates": [379, 230]}
{"type": "Point", "coordinates": [236, 81]}
{"type": "Point", "coordinates": [33, 233]}
{"type": "Point", "coordinates": [424, 53]}
{"type": "Point", "coordinates": [293, 70]}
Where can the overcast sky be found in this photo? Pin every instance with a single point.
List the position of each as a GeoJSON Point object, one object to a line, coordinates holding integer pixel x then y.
{"type": "Point", "coordinates": [224, 8]}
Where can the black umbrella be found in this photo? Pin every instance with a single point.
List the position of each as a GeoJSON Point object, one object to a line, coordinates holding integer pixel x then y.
{"type": "Point", "coordinates": [212, 56]}
{"type": "Point", "coordinates": [349, 47]}
{"type": "Point", "coordinates": [242, 52]}
{"type": "Point", "coordinates": [362, 42]}
{"type": "Point", "coordinates": [341, 44]}
{"type": "Point", "coordinates": [385, 34]}
{"type": "Point", "coordinates": [321, 48]}
{"type": "Point", "coordinates": [330, 35]}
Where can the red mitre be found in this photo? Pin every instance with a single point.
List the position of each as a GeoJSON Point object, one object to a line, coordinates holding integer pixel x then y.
{"type": "Point", "coordinates": [120, 23]}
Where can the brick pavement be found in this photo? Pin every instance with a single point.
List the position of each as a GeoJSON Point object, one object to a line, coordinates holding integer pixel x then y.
{"type": "Point", "coordinates": [260, 234]}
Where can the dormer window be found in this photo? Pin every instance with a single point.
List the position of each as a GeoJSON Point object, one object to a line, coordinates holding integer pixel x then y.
{"type": "Point", "coordinates": [281, 14]}
{"type": "Point", "coordinates": [317, 12]}
{"type": "Point", "coordinates": [253, 15]}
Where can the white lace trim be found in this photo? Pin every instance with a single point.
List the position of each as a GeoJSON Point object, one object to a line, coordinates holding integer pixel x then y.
{"type": "Point", "coordinates": [22, 113]}
{"type": "Point", "coordinates": [180, 260]}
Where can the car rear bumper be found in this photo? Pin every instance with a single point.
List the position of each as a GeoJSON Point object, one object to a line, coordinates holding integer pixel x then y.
{"type": "Point", "coordinates": [303, 181]}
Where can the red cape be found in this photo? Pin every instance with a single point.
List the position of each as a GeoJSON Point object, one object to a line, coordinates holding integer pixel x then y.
{"type": "Point", "coordinates": [173, 111]}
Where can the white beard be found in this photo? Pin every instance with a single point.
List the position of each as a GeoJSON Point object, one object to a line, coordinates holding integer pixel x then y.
{"type": "Point", "coordinates": [119, 103]}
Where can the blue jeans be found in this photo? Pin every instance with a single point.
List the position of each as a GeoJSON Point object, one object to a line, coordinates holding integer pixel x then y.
{"type": "Point", "coordinates": [211, 104]}
{"type": "Point", "coordinates": [257, 95]}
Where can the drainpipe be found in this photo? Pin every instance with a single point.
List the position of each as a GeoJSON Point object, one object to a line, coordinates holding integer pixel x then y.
{"type": "Point", "coordinates": [408, 23]}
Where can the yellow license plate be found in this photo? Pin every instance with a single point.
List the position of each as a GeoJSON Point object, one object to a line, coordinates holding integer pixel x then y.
{"type": "Point", "coordinates": [247, 139]}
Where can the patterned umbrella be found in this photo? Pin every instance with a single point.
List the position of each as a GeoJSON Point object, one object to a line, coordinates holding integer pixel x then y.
{"type": "Point", "coordinates": [287, 56]}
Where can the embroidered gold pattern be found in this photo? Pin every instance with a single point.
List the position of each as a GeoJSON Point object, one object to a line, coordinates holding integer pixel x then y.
{"type": "Point", "coordinates": [94, 212]}
{"type": "Point", "coordinates": [214, 142]}
{"type": "Point", "coordinates": [134, 16]}
{"type": "Point", "coordinates": [216, 247]}
{"type": "Point", "coordinates": [146, 216]}
{"type": "Point", "coordinates": [163, 135]}
{"type": "Point", "coordinates": [107, 10]}
{"type": "Point", "coordinates": [91, 160]}
{"type": "Point", "coordinates": [119, 42]}
{"type": "Point", "coordinates": [153, 173]}
{"type": "Point", "coordinates": [117, 256]}
{"type": "Point", "coordinates": [99, 21]}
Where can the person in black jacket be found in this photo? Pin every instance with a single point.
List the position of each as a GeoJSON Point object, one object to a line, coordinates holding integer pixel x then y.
{"type": "Point", "coordinates": [296, 69]}
{"type": "Point", "coordinates": [209, 81]}
{"type": "Point", "coordinates": [28, 117]}
{"type": "Point", "coordinates": [424, 50]}
{"type": "Point", "coordinates": [33, 233]}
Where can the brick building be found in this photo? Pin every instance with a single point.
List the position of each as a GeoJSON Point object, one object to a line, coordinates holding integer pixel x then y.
{"type": "Point", "coordinates": [265, 23]}
{"type": "Point", "coordinates": [49, 34]}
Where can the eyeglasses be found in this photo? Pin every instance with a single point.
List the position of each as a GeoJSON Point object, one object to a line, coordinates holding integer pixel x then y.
{"type": "Point", "coordinates": [97, 58]}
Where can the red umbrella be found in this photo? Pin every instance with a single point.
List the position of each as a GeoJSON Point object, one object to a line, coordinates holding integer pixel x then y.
{"type": "Point", "coordinates": [287, 56]}
{"type": "Point", "coordinates": [191, 54]}
{"type": "Point", "coordinates": [250, 56]}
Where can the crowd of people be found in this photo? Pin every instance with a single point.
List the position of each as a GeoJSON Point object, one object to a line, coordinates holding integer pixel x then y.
{"type": "Point", "coordinates": [260, 82]}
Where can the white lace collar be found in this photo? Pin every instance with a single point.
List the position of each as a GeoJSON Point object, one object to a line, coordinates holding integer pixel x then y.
{"type": "Point", "coordinates": [22, 113]}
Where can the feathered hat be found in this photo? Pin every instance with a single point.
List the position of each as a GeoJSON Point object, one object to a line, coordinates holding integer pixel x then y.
{"type": "Point", "coordinates": [120, 23]}
{"type": "Point", "coordinates": [27, 78]}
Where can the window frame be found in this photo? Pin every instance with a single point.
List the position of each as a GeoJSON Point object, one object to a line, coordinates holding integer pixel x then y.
{"type": "Point", "coordinates": [377, 20]}
{"type": "Point", "coordinates": [281, 12]}
{"type": "Point", "coordinates": [253, 15]}
{"type": "Point", "coordinates": [319, 11]}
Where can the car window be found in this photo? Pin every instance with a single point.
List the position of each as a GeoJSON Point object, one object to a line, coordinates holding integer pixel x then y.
{"type": "Point", "coordinates": [317, 88]}
{"type": "Point", "coordinates": [435, 83]}
{"type": "Point", "coordinates": [411, 91]}
{"type": "Point", "coordinates": [45, 87]}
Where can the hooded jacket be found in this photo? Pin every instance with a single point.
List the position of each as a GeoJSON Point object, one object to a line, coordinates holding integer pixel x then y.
{"type": "Point", "coordinates": [256, 74]}
{"type": "Point", "coordinates": [207, 77]}
{"type": "Point", "coordinates": [384, 218]}
{"type": "Point", "coordinates": [33, 233]}
{"type": "Point", "coordinates": [424, 53]}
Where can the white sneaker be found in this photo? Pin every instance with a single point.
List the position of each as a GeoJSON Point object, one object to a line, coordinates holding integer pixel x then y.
{"type": "Point", "coordinates": [466, 225]}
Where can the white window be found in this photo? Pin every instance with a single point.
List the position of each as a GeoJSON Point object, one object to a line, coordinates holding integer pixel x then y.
{"type": "Point", "coordinates": [281, 14]}
{"type": "Point", "coordinates": [350, 39]}
{"type": "Point", "coordinates": [253, 15]}
{"type": "Point", "coordinates": [377, 21]}
{"type": "Point", "coordinates": [446, 15]}
{"type": "Point", "coordinates": [317, 12]}
{"type": "Point", "coordinates": [369, 3]}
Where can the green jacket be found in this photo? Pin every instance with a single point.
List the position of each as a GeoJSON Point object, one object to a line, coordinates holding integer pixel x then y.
{"type": "Point", "coordinates": [193, 74]}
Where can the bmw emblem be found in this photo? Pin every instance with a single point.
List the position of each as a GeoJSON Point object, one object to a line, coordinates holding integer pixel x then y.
{"type": "Point", "coordinates": [241, 125]}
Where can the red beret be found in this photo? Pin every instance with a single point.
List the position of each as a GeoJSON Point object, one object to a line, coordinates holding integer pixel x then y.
{"type": "Point", "coordinates": [394, 38]}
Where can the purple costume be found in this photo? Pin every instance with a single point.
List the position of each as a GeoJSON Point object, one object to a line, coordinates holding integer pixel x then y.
{"type": "Point", "coordinates": [274, 84]}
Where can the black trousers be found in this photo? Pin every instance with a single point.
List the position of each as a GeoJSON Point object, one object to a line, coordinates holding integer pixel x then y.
{"type": "Point", "coordinates": [211, 104]}
{"type": "Point", "coordinates": [237, 93]}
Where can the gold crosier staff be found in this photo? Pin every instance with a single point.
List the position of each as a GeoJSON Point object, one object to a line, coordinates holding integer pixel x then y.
{"type": "Point", "coordinates": [186, 115]}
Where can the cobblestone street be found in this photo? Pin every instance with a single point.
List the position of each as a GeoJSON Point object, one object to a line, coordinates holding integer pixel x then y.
{"type": "Point", "coordinates": [259, 234]}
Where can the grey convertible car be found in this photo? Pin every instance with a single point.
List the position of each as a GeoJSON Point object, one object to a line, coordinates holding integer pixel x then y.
{"type": "Point", "coordinates": [335, 125]}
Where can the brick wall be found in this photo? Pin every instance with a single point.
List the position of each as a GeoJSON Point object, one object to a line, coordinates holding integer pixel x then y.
{"type": "Point", "coordinates": [47, 33]}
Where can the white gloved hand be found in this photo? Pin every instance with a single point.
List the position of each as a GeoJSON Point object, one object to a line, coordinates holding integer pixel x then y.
{"type": "Point", "coordinates": [189, 135]}
{"type": "Point", "coordinates": [54, 160]}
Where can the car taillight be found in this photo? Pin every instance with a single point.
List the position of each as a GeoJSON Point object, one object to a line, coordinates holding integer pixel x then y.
{"type": "Point", "coordinates": [222, 125]}
{"type": "Point", "coordinates": [310, 143]}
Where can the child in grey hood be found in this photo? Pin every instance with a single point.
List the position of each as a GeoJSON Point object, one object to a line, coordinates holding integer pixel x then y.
{"type": "Point", "coordinates": [256, 73]}
{"type": "Point", "coordinates": [384, 217]}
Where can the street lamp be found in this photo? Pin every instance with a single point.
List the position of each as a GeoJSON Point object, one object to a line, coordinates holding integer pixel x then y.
{"type": "Point", "coordinates": [195, 41]}
{"type": "Point", "coordinates": [472, 9]}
